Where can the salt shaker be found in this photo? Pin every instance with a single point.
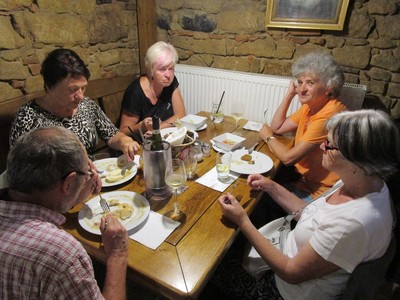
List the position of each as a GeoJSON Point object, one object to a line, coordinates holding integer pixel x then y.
{"type": "Point", "coordinates": [206, 149]}
{"type": "Point", "coordinates": [199, 152]}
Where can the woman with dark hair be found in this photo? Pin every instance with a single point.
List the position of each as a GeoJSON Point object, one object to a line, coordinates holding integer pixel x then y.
{"type": "Point", "coordinates": [65, 78]}
{"type": "Point", "coordinates": [348, 225]}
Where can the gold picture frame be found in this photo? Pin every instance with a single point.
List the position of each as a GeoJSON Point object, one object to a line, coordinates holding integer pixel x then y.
{"type": "Point", "coordinates": [307, 14]}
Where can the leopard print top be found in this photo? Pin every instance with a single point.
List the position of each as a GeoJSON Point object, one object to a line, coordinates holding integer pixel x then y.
{"type": "Point", "coordinates": [89, 123]}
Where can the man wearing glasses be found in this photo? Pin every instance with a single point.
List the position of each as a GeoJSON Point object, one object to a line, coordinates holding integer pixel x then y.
{"type": "Point", "coordinates": [48, 172]}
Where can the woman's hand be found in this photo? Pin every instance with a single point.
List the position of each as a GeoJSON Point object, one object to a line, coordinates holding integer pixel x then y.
{"type": "Point", "coordinates": [114, 237]}
{"type": "Point", "coordinates": [232, 209]}
{"type": "Point", "coordinates": [147, 124]}
{"type": "Point", "coordinates": [95, 180]}
{"type": "Point", "coordinates": [258, 182]}
{"type": "Point", "coordinates": [124, 143]}
{"type": "Point", "coordinates": [292, 91]}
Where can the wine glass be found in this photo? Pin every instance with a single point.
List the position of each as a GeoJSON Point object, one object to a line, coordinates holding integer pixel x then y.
{"type": "Point", "coordinates": [175, 177]}
{"type": "Point", "coordinates": [237, 111]}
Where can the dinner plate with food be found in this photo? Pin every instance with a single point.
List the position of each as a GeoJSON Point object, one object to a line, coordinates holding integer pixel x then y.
{"type": "Point", "coordinates": [116, 170]}
{"type": "Point", "coordinates": [244, 163]}
{"type": "Point", "coordinates": [130, 208]}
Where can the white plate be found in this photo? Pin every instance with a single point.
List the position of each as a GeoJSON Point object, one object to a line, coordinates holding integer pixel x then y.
{"type": "Point", "coordinates": [167, 130]}
{"type": "Point", "coordinates": [90, 214]}
{"type": "Point", "coordinates": [216, 148]}
{"type": "Point", "coordinates": [102, 165]}
{"type": "Point", "coordinates": [204, 126]}
{"type": "Point", "coordinates": [262, 162]}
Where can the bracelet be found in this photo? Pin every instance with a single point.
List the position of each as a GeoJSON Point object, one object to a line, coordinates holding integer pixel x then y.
{"type": "Point", "coordinates": [268, 139]}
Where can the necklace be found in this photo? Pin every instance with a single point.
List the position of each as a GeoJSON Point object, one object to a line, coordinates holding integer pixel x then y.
{"type": "Point", "coordinates": [152, 93]}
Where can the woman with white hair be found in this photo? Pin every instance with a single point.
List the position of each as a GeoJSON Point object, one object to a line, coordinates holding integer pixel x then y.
{"type": "Point", "coordinates": [154, 94]}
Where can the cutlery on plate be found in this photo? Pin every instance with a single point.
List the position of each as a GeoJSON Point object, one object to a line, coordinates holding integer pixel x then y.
{"type": "Point", "coordinates": [104, 204]}
{"type": "Point", "coordinates": [250, 150]}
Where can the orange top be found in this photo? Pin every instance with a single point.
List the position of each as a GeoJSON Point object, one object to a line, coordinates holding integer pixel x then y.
{"type": "Point", "coordinates": [311, 129]}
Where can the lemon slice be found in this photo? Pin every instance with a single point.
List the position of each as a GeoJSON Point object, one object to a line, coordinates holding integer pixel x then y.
{"type": "Point", "coordinates": [222, 168]}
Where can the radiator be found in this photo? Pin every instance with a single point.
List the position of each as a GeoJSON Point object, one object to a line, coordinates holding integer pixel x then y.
{"type": "Point", "coordinates": [203, 86]}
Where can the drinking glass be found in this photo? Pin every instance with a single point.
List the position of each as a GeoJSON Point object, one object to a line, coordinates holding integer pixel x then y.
{"type": "Point", "coordinates": [190, 162]}
{"type": "Point", "coordinates": [217, 115]}
{"type": "Point", "coordinates": [237, 111]}
{"type": "Point", "coordinates": [223, 166]}
{"type": "Point", "coordinates": [175, 177]}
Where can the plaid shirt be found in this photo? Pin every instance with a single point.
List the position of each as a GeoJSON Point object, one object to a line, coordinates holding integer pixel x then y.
{"type": "Point", "coordinates": [40, 261]}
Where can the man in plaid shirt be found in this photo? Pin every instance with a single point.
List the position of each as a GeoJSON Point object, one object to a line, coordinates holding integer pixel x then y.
{"type": "Point", "coordinates": [49, 172]}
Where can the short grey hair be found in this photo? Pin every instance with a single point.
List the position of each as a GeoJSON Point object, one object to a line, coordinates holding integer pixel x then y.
{"type": "Point", "coordinates": [42, 157]}
{"type": "Point", "coordinates": [324, 67]}
{"type": "Point", "coordinates": [160, 49]}
{"type": "Point", "coordinates": [369, 139]}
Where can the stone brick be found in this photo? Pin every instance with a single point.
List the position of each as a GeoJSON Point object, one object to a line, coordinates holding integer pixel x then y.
{"type": "Point", "coordinates": [277, 67]}
{"type": "Point", "coordinates": [34, 69]}
{"type": "Point", "coordinates": [360, 24]}
{"type": "Point", "coordinates": [57, 29]}
{"type": "Point", "coordinates": [108, 58]}
{"type": "Point", "coordinates": [393, 90]}
{"type": "Point", "coordinates": [232, 63]}
{"type": "Point", "coordinates": [386, 61]}
{"type": "Point", "coordinates": [171, 4]}
{"type": "Point", "coordinates": [261, 48]}
{"type": "Point", "coordinates": [106, 26]}
{"type": "Point", "coordinates": [379, 74]}
{"type": "Point", "coordinates": [334, 42]}
{"type": "Point", "coordinates": [244, 20]}
{"type": "Point", "coordinates": [388, 26]}
{"type": "Point", "coordinates": [33, 84]}
{"type": "Point", "coordinates": [396, 77]}
{"type": "Point", "coordinates": [7, 92]}
{"type": "Point", "coordinates": [376, 87]}
{"type": "Point", "coordinates": [284, 49]}
{"type": "Point", "coordinates": [356, 57]}
{"type": "Point", "coordinates": [14, 4]}
{"type": "Point", "coordinates": [381, 7]}
{"type": "Point", "coordinates": [216, 47]}
{"type": "Point", "coordinates": [10, 39]}
{"type": "Point", "coordinates": [58, 6]}
{"type": "Point", "coordinates": [13, 70]}
{"type": "Point", "coordinates": [382, 43]}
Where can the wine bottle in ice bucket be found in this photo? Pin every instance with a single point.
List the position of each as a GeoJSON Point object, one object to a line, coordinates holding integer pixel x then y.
{"type": "Point", "coordinates": [156, 140]}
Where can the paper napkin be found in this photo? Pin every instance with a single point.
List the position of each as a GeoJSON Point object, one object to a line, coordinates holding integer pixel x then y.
{"type": "Point", "coordinates": [154, 231]}
{"type": "Point", "coordinates": [254, 126]}
{"type": "Point", "coordinates": [210, 179]}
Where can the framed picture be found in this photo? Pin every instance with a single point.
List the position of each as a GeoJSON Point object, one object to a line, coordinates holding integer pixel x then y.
{"type": "Point", "coordinates": [307, 14]}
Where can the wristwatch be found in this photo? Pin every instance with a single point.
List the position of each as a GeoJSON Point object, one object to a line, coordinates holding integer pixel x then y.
{"type": "Point", "coordinates": [268, 139]}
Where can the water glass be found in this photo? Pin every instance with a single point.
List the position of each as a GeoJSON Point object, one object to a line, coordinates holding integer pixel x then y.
{"type": "Point", "coordinates": [216, 117]}
{"type": "Point", "coordinates": [206, 148]}
{"type": "Point", "coordinates": [190, 162]}
{"type": "Point", "coordinates": [223, 166]}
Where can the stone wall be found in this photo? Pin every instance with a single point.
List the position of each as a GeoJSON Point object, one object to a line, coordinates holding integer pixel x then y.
{"type": "Point", "coordinates": [103, 33]}
{"type": "Point", "coordinates": [231, 34]}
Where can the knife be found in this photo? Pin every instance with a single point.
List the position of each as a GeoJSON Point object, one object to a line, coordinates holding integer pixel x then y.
{"type": "Point", "coordinates": [250, 150]}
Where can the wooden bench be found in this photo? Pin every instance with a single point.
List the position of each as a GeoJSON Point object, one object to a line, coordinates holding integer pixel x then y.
{"type": "Point", "coordinates": [106, 92]}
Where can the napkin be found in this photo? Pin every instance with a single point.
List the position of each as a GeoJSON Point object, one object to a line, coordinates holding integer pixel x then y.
{"type": "Point", "coordinates": [254, 126]}
{"type": "Point", "coordinates": [154, 231]}
{"type": "Point", "coordinates": [210, 179]}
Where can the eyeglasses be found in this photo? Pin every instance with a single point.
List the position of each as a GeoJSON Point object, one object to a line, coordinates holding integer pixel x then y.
{"type": "Point", "coordinates": [327, 147]}
{"type": "Point", "coordinates": [89, 174]}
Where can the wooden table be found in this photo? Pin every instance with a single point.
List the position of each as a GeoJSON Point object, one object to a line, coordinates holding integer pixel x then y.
{"type": "Point", "coordinates": [181, 266]}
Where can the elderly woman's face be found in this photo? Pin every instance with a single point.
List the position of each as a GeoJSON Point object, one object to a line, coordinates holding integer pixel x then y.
{"type": "Point", "coordinates": [70, 91]}
{"type": "Point", "coordinates": [310, 88]}
{"type": "Point", "coordinates": [163, 73]}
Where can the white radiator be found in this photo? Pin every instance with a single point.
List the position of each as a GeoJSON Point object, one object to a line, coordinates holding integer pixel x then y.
{"type": "Point", "coordinates": [202, 86]}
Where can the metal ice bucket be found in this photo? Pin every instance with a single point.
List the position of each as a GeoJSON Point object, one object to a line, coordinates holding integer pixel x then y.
{"type": "Point", "coordinates": [154, 165]}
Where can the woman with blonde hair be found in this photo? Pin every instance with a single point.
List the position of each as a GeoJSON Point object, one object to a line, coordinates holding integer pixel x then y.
{"type": "Point", "coordinates": [154, 94]}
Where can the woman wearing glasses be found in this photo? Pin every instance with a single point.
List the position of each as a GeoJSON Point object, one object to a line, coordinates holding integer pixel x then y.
{"type": "Point", "coordinates": [339, 230]}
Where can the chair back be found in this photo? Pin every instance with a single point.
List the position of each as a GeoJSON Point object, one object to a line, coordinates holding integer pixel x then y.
{"type": "Point", "coordinates": [367, 277]}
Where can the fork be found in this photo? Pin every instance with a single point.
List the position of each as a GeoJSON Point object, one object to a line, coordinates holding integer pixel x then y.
{"type": "Point", "coordinates": [104, 204]}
